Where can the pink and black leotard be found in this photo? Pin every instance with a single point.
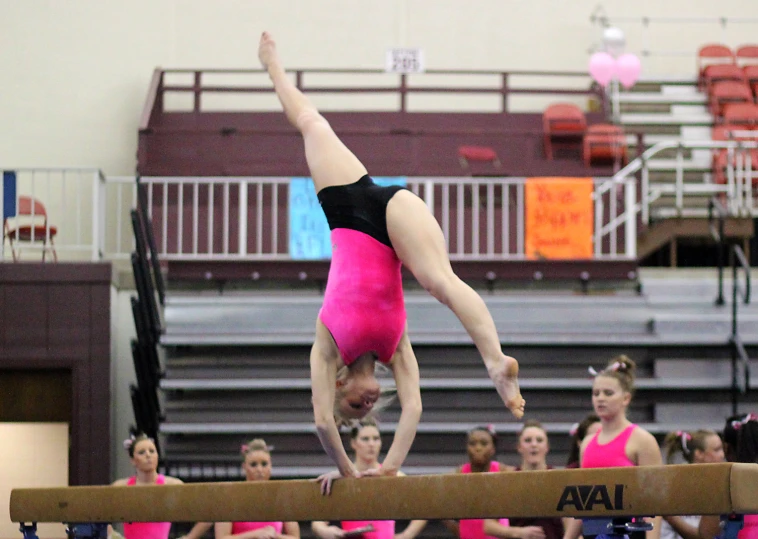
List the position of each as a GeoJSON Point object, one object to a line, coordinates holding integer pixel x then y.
{"type": "Point", "coordinates": [363, 308]}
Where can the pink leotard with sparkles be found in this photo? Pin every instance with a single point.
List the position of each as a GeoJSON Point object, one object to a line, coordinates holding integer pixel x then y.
{"type": "Point", "coordinates": [749, 528]}
{"type": "Point", "coordinates": [242, 527]}
{"type": "Point", "coordinates": [474, 528]}
{"type": "Point", "coordinates": [363, 305]}
{"type": "Point", "coordinates": [610, 455]}
{"type": "Point", "coordinates": [147, 530]}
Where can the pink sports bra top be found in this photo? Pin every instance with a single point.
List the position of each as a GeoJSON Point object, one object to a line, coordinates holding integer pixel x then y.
{"type": "Point", "coordinates": [147, 530]}
{"type": "Point", "coordinates": [610, 455]}
{"type": "Point", "coordinates": [474, 528]}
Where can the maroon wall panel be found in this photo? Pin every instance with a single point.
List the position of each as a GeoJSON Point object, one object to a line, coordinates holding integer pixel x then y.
{"type": "Point", "coordinates": [388, 143]}
{"type": "Point", "coordinates": [57, 316]}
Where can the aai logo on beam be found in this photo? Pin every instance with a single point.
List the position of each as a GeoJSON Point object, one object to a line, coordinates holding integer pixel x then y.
{"type": "Point", "coordinates": [592, 498]}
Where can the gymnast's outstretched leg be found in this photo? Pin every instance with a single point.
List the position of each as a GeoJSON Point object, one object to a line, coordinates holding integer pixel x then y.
{"type": "Point", "coordinates": [329, 160]}
{"type": "Point", "coordinates": [418, 241]}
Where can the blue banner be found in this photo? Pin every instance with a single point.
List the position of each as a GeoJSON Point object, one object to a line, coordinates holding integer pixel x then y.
{"type": "Point", "coordinates": [309, 231]}
{"type": "Point", "coordinates": [9, 194]}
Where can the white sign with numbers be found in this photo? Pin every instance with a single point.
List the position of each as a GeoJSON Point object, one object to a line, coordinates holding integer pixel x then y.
{"type": "Point", "coordinates": [404, 61]}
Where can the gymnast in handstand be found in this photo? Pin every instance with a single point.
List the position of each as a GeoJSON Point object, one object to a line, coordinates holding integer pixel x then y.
{"type": "Point", "coordinates": [375, 230]}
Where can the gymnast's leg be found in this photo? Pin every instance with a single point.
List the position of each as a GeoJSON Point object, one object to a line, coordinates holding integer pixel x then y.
{"type": "Point", "coordinates": [329, 160]}
{"type": "Point", "coordinates": [418, 241]}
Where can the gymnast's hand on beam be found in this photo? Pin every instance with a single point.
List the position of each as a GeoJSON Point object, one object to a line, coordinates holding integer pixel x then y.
{"type": "Point", "coordinates": [327, 479]}
{"type": "Point", "coordinates": [377, 472]}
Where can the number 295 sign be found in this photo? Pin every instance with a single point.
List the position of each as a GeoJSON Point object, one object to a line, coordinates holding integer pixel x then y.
{"type": "Point", "coordinates": [404, 61]}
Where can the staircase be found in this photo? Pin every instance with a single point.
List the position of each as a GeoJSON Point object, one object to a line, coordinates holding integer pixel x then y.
{"type": "Point", "coordinates": [674, 110]}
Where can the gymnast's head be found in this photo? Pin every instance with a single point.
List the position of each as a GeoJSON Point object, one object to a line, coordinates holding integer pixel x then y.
{"type": "Point", "coordinates": [533, 445]}
{"type": "Point", "coordinates": [613, 388]}
{"type": "Point", "coordinates": [366, 440]}
{"type": "Point", "coordinates": [358, 393]}
{"type": "Point", "coordinates": [741, 438]}
{"type": "Point", "coordinates": [481, 445]}
{"type": "Point", "coordinates": [697, 447]}
{"type": "Point", "coordinates": [142, 451]}
{"type": "Point", "coordinates": [256, 460]}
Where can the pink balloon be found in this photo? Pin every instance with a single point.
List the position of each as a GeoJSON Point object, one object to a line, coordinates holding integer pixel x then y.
{"type": "Point", "coordinates": [602, 68]}
{"type": "Point", "coordinates": [629, 67]}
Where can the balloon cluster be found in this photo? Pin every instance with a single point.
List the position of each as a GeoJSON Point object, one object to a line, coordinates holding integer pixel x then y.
{"type": "Point", "coordinates": [611, 63]}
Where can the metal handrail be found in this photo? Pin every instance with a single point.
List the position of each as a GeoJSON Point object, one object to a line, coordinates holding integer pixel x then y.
{"type": "Point", "coordinates": [740, 359]}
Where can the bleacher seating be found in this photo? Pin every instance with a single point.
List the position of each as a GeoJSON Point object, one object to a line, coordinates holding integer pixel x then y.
{"type": "Point", "coordinates": [563, 125]}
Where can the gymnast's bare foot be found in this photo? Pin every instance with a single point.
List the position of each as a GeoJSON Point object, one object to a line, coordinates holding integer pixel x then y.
{"type": "Point", "coordinates": [267, 50]}
{"type": "Point", "coordinates": [505, 377]}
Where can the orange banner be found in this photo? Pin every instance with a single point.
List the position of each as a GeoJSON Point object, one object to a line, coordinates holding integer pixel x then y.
{"type": "Point", "coordinates": [559, 218]}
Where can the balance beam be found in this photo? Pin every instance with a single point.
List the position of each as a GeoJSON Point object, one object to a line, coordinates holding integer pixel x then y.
{"type": "Point", "coordinates": [690, 489]}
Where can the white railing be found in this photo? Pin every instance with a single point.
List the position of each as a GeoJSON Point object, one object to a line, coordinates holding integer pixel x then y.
{"type": "Point", "coordinates": [201, 218]}
{"type": "Point", "coordinates": [737, 190]}
{"type": "Point", "coordinates": [248, 218]}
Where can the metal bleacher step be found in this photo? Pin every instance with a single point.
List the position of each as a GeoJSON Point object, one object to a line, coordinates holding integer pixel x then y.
{"type": "Point", "coordinates": [642, 119]}
{"type": "Point", "coordinates": [556, 384]}
{"type": "Point", "coordinates": [243, 429]}
{"type": "Point", "coordinates": [669, 98]}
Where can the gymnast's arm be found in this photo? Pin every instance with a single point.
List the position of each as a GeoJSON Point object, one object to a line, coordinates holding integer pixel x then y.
{"type": "Point", "coordinates": [405, 369]}
{"type": "Point", "coordinates": [323, 530]}
{"type": "Point", "coordinates": [687, 531]}
{"type": "Point", "coordinates": [323, 388]}
{"type": "Point", "coordinates": [290, 530]}
{"type": "Point", "coordinates": [413, 528]}
{"type": "Point", "coordinates": [709, 527]}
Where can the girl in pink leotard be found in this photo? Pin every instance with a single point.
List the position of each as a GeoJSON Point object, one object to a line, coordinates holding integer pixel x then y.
{"type": "Point", "coordinates": [144, 458]}
{"type": "Point", "coordinates": [481, 446]}
{"type": "Point", "coordinates": [533, 447]}
{"type": "Point", "coordinates": [741, 445]}
{"type": "Point", "coordinates": [697, 447]}
{"type": "Point", "coordinates": [366, 442]}
{"type": "Point", "coordinates": [618, 442]}
{"type": "Point", "coordinates": [256, 463]}
{"type": "Point", "coordinates": [375, 229]}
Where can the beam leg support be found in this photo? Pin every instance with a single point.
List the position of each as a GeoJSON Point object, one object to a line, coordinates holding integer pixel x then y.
{"type": "Point", "coordinates": [614, 528]}
{"type": "Point", "coordinates": [29, 530]}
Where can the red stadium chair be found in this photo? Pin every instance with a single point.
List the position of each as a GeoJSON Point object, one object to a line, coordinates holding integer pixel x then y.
{"type": "Point", "coordinates": [719, 73]}
{"type": "Point", "coordinates": [747, 55]}
{"type": "Point", "coordinates": [480, 154]}
{"type": "Point", "coordinates": [712, 54]}
{"type": "Point", "coordinates": [751, 75]}
{"type": "Point", "coordinates": [563, 124]}
{"type": "Point", "coordinates": [729, 91]}
{"type": "Point", "coordinates": [605, 142]}
{"type": "Point", "coordinates": [741, 114]}
{"type": "Point", "coordinates": [29, 226]}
